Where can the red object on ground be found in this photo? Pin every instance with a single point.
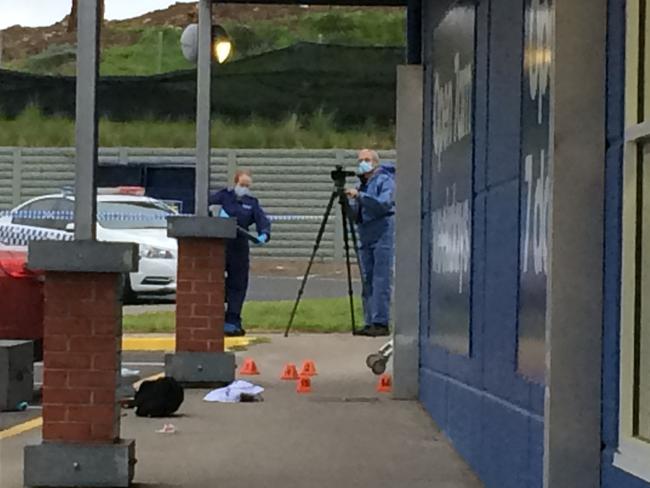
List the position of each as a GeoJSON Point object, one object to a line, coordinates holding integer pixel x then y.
{"type": "Point", "coordinates": [249, 368]}
{"type": "Point", "coordinates": [385, 384]}
{"type": "Point", "coordinates": [308, 368]}
{"type": "Point", "coordinates": [304, 385]}
{"type": "Point", "coordinates": [290, 372]}
{"type": "Point", "coordinates": [21, 298]}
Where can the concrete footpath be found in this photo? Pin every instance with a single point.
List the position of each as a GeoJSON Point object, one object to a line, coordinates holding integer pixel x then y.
{"type": "Point", "coordinates": [343, 434]}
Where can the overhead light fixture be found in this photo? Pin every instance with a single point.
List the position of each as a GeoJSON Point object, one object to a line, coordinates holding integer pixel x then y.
{"type": "Point", "coordinates": [222, 45]}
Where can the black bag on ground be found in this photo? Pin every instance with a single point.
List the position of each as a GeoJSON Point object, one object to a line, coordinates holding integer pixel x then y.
{"type": "Point", "coordinates": [158, 398]}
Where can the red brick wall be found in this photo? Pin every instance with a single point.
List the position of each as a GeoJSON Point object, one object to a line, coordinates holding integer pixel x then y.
{"type": "Point", "coordinates": [82, 344]}
{"type": "Point", "coordinates": [200, 312]}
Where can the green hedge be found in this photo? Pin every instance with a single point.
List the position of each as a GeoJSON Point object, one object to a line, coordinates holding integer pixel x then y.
{"type": "Point", "coordinates": [356, 84]}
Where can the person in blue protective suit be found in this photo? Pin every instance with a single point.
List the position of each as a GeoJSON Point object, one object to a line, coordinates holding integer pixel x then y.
{"type": "Point", "coordinates": [238, 202]}
{"type": "Point", "coordinates": [373, 204]}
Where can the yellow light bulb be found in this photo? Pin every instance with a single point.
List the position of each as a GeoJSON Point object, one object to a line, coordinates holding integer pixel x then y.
{"type": "Point", "coordinates": [222, 50]}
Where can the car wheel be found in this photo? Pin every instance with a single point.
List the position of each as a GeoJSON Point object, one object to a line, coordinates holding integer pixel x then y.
{"type": "Point", "coordinates": [128, 295]}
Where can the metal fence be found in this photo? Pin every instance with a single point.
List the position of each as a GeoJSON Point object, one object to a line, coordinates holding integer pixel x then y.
{"type": "Point", "coordinates": [292, 185]}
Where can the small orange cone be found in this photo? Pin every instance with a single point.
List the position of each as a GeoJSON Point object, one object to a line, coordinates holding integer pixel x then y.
{"type": "Point", "coordinates": [304, 385]}
{"type": "Point", "coordinates": [249, 368]}
{"type": "Point", "coordinates": [290, 372]}
{"type": "Point", "coordinates": [308, 368]}
{"type": "Point", "coordinates": [385, 384]}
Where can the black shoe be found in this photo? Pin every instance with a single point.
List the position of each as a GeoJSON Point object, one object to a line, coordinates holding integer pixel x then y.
{"type": "Point", "coordinates": [365, 331]}
{"type": "Point", "coordinates": [380, 330]}
{"type": "Point", "coordinates": [374, 330]}
{"type": "Point", "coordinates": [235, 333]}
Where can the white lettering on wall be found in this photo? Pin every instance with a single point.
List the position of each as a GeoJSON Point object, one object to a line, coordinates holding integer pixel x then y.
{"type": "Point", "coordinates": [538, 196]}
{"type": "Point", "coordinates": [538, 52]}
{"type": "Point", "coordinates": [452, 108]}
{"type": "Point", "coordinates": [451, 237]}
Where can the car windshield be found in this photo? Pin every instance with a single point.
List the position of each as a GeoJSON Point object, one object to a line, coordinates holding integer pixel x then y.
{"type": "Point", "coordinates": [133, 215]}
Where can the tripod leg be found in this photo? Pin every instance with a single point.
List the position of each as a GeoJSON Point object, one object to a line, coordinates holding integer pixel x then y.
{"type": "Point", "coordinates": [319, 237]}
{"type": "Point", "coordinates": [344, 223]}
{"type": "Point", "coordinates": [355, 244]}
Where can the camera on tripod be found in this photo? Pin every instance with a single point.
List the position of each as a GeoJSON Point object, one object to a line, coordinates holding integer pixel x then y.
{"type": "Point", "coordinates": [338, 175]}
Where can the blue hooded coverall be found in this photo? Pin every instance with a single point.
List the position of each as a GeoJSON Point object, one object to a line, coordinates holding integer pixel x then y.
{"type": "Point", "coordinates": [375, 213]}
{"type": "Point", "coordinates": [247, 210]}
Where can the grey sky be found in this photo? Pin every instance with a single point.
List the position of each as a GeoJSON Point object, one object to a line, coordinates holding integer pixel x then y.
{"type": "Point", "coordinates": [47, 12]}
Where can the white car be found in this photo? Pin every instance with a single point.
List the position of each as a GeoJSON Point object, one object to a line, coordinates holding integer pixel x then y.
{"type": "Point", "coordinates": [123, 215]}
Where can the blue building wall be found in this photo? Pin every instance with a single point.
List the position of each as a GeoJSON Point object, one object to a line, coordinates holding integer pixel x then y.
{"type": "Point", "coordinates": [613, 477]}
{"type": "Point", "coordinates": [492, 414]}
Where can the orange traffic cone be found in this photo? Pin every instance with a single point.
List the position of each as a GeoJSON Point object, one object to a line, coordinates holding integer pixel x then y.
{"type": "Point", "coordinates": [290, 372]}
{"type": "Point", "coordinates": [385, 384]}
{"type": "Point", "coordinates": [308, 368]}
{"type": "Point", "coordinates": [249, 368]}
{"type": "Point", "coordinates": [304, 385]}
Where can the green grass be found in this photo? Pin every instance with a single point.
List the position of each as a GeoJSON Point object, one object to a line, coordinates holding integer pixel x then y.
{"type": "Point", "coordinates": [318, 131]}
{"type": "Point", "coordinates": [325, 315]}
{"type": "Point", "coordinates": [147, 55]}
{"type": "Point", "coordinates": [157, 51]}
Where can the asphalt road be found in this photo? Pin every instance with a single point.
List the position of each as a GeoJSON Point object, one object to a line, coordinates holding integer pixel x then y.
{"type": "Point", "coordinates": [275, 288]}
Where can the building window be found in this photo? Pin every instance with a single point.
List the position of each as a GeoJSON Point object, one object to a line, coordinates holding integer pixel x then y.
{"type": "Point", "coordinates": [634, 427]}
{"type": "Point", "coordinates": [453, 73]}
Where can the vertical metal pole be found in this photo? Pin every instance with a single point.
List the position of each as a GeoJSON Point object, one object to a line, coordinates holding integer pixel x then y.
{"type": "Point", "coordinates": [17, 180]}
{"type": "Point", "coordinates": [203, 98]}
{"type": "Point", "coordinates": [414, 32]}
{"type": "Point", "coordinates": [88, 34]}
{"type": "Point", "coordinates": [1, 46]}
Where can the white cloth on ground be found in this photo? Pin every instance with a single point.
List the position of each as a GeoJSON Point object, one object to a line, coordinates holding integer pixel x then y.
{"type": "Point", "coordinates": [232, 393]}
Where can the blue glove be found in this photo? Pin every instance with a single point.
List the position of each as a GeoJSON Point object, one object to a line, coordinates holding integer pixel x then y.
{"type": "Point", "coordinates": [224, 214]}
{"type": "Point", "coordinates": [262, 239]}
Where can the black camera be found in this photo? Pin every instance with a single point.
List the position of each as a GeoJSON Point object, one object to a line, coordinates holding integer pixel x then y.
{"type": "Point", "coordinates": [339, 175]}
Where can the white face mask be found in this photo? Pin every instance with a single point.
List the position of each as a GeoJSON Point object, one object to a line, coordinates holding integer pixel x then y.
{"type": "Point", "coordinates": [364, 167]}
{"type": "Point", "coordinates": [242, 191]}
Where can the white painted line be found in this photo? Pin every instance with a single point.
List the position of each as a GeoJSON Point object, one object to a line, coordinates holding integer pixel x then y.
{"type": "Point", "coordinates": [154, 364]}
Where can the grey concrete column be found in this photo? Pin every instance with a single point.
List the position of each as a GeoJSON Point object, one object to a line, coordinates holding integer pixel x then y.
{"type": "Point", "coordinates": [203, 112]}
{"type": "Point", "coordinates": [408, 229]}
{"type": "Point", "coordinates": [17, 176]}
{"type": "Point", "coordinates": [574, 319]}
{"type": "Point", "coordinates": [88, 36]}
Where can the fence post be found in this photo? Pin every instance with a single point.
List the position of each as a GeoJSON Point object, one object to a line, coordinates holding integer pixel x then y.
{"type": "Point", "coordinates": [232, 166]}
{"type": "Point", "coordinates": [17, 182]}
{"type": "Point", "coordinates": [336, 213]}
{"type": "Point", "coordinates": [124, 156]}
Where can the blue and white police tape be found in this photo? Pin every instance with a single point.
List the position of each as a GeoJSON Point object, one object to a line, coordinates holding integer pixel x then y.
{"type": "Point", "coordinates": [12, 235]}
{"type": "Point", "coordinates": [41, 215]}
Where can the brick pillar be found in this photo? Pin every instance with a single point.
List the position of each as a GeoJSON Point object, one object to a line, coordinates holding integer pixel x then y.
{"type": "Point", "coordinates": [82, 355]}
{"type": "Point", "coordinates": [82, 343]}
{"type": "Point", "coordinates": [200, 359]}
{"type": "Point", "coordinates": [200, 312]}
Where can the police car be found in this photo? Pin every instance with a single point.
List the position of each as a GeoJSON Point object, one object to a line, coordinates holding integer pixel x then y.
{"type": "Point", "coordinates": [124, 214]}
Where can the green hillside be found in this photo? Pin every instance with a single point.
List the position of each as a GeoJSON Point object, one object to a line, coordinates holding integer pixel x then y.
{"type": "Point", "coordinates": [157, 49]}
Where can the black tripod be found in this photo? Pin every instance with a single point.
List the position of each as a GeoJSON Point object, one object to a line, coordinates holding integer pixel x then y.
{"type": "Point", "coordinates": [339, 176]}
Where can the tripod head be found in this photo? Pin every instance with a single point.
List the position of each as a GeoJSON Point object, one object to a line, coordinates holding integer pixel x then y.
{"type": "Point", "coordinates": [339, 175]}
